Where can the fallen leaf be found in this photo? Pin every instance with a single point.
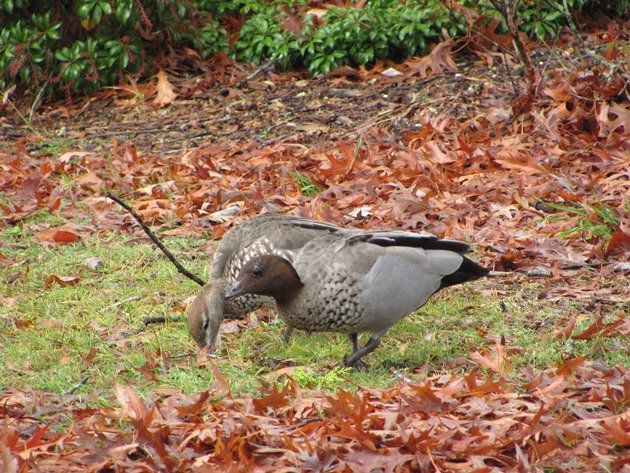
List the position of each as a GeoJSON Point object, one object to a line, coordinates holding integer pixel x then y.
{"type": "Point", "coordinates": [8, 301]}
{"type": "Point", "coordinates": [564, 333]}
{"type": "Point", "coordinates": [62, 236]}
{"type": "Point", "coordinates": [29, 188]}
{"type": "Point", "coordinates": [599, 328]}
{"type": "Point", "coordinates": [5, 262]}
{"type": "Point", "coordinates": [65, 357]}
{"type": "Point", "coordinates": [568, 366]}
{"type": "Point", "coordinates": [93, 263]}
{"type": "Point", "coordinates": [194, 408]}
{"type": "Point", "coordinates": [63, 281]}
{"type": "Point", "coordinates": [619, 241]}
{"type": "Point", "coordinates": [437, 61]}
{"type": "Point", "coordinates": [132, 405]}
{"type": "Point", "coordinates": [89, 357]}
{"type": "Point", "coordinates": [165, 92]}
{"type": "Point", "coordinates": [495, 360]}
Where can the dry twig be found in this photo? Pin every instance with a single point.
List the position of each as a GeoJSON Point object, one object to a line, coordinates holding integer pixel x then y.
{"type": "Point", "coordinates": [612, 67]}
{"type": "Point", "coordinates": [156, 240]}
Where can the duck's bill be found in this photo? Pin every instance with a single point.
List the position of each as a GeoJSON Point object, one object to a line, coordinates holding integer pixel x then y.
{"type": "Point", "coordinates": [205, 351]}
{"type": "Point", "coordinates": [234, 291]}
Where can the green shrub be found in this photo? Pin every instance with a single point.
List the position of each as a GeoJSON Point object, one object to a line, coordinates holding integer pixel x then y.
{"type": "Point", "coordinates": [82, 45]}
{"type": "Point", "coordinates": [381, 29]}
{"type": "Point", "coordinates": [542, 19]}
{"type": "Point", "coordinates": [262, 37]}
{"type": "Point", "coordinates": [78, 46]}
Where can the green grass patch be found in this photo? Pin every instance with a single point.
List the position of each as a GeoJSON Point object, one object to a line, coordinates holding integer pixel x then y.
{"type": "Point", "coordinates": [307, 187]}
{"type": "Point", "coordinates": [591, 220]}
{"type": "Point", "coordinates": [52, 338]}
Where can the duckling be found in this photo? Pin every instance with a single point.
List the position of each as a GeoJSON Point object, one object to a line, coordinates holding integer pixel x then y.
{"type": "Point", "coordinates": [357, 281]}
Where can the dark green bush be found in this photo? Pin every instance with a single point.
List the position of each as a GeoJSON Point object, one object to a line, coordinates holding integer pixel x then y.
{"type": "Point", "coordinates": [82, 45]}
{"type": "Point", "coordinates": [542, 19]}
{"type": "Point", "coordinates": [78, 46]}
{"type": "Point", "coordinates": [381, 29]}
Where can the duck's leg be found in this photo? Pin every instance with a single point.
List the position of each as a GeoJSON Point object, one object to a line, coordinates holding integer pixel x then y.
{"type": "Point", "coordinates": [354, 359]}
{"type": "Point", "coordinates": [354, 341]}
{"type": "Point", "coordinates": [286, 333]}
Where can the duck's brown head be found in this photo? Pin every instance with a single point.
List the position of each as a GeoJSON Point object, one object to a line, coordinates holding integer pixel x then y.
{"type": "Point", "coordinates": [266, 275]}
{"type": "Point", "coordinates": [205, 314]}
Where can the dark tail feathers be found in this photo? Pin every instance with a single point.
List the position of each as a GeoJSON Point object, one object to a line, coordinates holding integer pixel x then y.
{"type": "Point", "coordinates": [468, 271]}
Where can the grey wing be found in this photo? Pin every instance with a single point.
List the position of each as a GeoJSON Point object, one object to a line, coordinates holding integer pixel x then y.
{"type": "Point", "coordinates": [279, 234]}
{"type": "Point", "coordinates": [401, 280]}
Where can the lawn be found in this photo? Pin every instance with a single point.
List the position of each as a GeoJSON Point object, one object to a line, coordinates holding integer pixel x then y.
{"type": "Point", "coordinates": [73, 322]}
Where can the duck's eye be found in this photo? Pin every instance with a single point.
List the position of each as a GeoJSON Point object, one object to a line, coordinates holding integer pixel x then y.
{"type": "Point", "coordinates": [257, 272]}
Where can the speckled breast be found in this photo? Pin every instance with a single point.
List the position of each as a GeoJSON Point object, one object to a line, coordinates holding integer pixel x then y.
{"type": "Point", "coordinates": [330, 305]}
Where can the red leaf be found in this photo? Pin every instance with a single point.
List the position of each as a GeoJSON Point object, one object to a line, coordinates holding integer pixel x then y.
{"type": "Point", "coordinates": [619, 430]}
{"type": "Point", "coordinates": [63, 281]}
{"type": "Point", "coordinates": [568, 366]}
{"type": "Point", "coordinates": [616, 401]}
{"type": "Point", "coordinates": [496, 360]}
{"type": "Point", "coordinates": [65, 236]}
{"type": "Point", "coordinates": [599, 328]}
{"type": "Point", "coordinates": [29, 188]}
{"type": "Point", "coordinates": [220, 382]}
{"type": "Point", "coordinates": [346, 405]}
{"type": "Point", "coordinates": [273, 399]}
{"type": "Point", "coordinates": [131, 403]}
{"type": "Point", "coordinates": [195, 407]}
{"type": "Point", "coordinates": [54, 205]}
{"type": "Point", "coordinates": [59, 236]}
{"type": "Point", "coordinates": [5, 262]}
{"type": "Point", "coordinates": [65, 357]}
{"type": "Point", "coordinates": [38, 436]}
{"type": "Point", "coordinates": [619, 240]}
{"type": "Point", "coordinates": [9, 462]}
{"type": "Point", "coordinates": [438, 60]}
{"type": "Point", "coordinates": [564, 333]}
{"type": "Point", "coordinates": [90, 355]}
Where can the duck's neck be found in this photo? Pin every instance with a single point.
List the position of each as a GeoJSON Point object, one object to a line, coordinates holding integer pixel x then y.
{"type": "Point", "coordinates": [286, 297]}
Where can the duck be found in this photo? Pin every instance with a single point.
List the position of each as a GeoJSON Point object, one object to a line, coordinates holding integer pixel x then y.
{"type": "Point", "coordinates": [357, 281]}
{"type": "Point", "coordinates": [274, 234]}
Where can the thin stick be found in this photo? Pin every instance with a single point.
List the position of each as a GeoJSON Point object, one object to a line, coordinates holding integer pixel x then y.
{"type": "Point", "coordinates": [36, 102]}
{"type": "Point", "coordinates": [156, 240]}
{"type": "Point", "coordinates": [77, 386]}
{"type": "Point", "coordinates": [612, 67]}
{"type": "Point", "coordinates": [123, 133]}
{"type": "Point", "coordinates": [263, 68]}
{"type": "Point", "coordinates": [508, 10]}
{"type": "Point", "coordinates": [160, 319]}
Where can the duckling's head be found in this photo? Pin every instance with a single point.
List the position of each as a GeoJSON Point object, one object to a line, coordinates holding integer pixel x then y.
{"type": "Point", "coordinates": [205, 314]}
{"type": "Point", "coordinates": [266, 275]}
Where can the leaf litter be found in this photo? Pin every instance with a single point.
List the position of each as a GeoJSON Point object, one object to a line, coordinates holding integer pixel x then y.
{"type": "Point", "coordinates": [573, 418]}
{"type": "Point", "coordinates": [449, 153]}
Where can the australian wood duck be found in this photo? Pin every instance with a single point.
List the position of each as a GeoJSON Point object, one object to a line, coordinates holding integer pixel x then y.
{"type": "Point", "coordinates": [281, 235]}
{"type": "Point", "coordinates": [357, 281]}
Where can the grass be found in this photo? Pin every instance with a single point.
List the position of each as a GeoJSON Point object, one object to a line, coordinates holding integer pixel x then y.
{"type": "Point", "coordinates": [591, 220]}
{"type": "Point", "coordinates": [52, 338]}
{"type": "Point", "coordinates": [307, 187]}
